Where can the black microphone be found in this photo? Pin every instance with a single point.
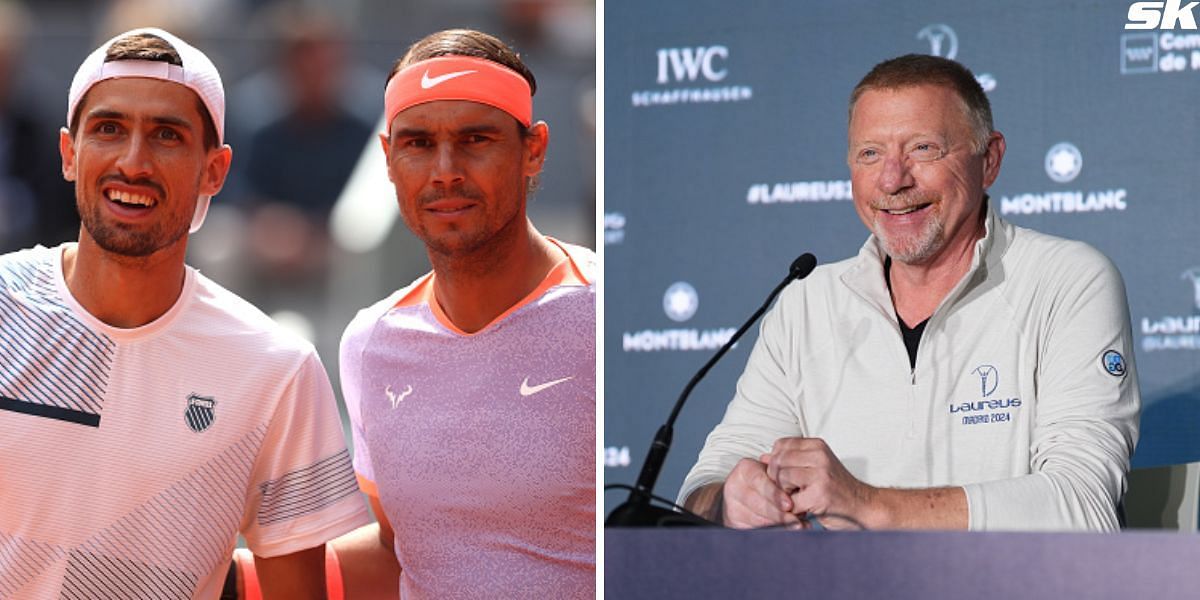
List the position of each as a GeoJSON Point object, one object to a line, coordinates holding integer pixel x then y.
{"type": "Point", "coordinates": [637, 511]}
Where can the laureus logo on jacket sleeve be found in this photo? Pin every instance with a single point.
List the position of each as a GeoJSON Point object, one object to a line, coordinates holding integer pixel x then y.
{"type": "Point", "coordinates": [1114, 363]}
{"type": "Point", "coordinates": [199, 414]}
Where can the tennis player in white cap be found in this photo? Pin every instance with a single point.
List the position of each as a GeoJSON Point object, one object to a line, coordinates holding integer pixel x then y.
{"type": "Point", "coordinates": [147, 415]}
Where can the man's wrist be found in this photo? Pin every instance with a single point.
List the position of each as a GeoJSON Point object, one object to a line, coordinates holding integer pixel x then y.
{"type": "Point", "coordinates": [717, 514]}
{"type": "Point", "coordinates": [876, 509]}
{"type": "Point", "coordinates": [930, 508]}
{"type": "Point", "coordinates": [708, 501]}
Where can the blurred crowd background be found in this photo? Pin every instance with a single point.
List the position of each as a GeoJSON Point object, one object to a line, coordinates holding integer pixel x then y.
{"type": "Point", "coordinates": [306, 227]}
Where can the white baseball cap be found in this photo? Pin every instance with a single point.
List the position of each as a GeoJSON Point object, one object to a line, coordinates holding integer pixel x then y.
{"type": "Point", "coordinates": [197, 74]}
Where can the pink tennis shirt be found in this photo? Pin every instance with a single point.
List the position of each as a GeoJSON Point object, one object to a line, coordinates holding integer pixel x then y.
{"type": "Point", "coordinates": [133, 458]}
{"type": "Point", "coordinates": [481, 447]}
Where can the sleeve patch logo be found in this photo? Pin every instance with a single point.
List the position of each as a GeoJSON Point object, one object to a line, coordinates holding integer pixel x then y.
{"type": "Point", "coordinates": [1114, 363]}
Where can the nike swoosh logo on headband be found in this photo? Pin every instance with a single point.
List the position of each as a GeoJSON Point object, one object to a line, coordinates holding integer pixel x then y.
{"type": "Point", "coordinates": [428, 82]}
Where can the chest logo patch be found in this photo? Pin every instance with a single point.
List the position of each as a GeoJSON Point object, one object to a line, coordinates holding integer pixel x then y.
{"type": "Point", "coordinates": [990, 408]}
{"type": "Point", "coordinates": [1114, 363]}
{"type": "Point", "coordinates": [396, 399]}
{"type": "Point", "coordinates": [989, 378]}
{"type": "Point", "coordinates": [529, 390]}
{"type": "Point", "coordinates": [199, 414]}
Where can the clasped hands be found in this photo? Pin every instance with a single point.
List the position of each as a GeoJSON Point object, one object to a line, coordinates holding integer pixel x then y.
{"type": "Point", "coordinates": [798, 479]}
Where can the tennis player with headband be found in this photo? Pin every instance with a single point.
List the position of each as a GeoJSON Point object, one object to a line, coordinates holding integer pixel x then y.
{"type": "Point", "coordinates": [472, 390]}
{"type": "Point", "coordinates": [148, 415]}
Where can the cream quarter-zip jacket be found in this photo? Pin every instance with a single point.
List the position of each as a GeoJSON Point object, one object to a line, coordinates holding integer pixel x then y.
{"type": "Point", "coordinates": [1024, 392]}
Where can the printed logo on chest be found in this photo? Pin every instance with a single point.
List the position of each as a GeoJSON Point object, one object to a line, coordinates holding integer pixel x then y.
{"type": "Point", "coordinates": [395, 398]}
{"type": "Point", "coordinates": [984, 405]}
{"type": "Point", "coordinates": [529, 390]}
{"type": "Point", "coordinates": [200, 412]}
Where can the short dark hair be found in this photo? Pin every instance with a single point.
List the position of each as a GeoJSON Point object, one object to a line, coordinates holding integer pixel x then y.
{"type": "Point", "coordinates": [147, 46]}
{"type": "Point", "coordinates": [922, 69]}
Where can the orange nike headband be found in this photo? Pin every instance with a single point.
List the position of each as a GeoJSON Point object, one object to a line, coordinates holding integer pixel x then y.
{"type": "Point", "coordinates": [459, 78]}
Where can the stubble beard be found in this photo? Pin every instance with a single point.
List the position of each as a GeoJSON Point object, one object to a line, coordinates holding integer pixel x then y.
{"type": "Point", "coordinates": [914, 249]}
{"type": "Point", "coordinates": [462, 242]}
{"type": "Point", "coordinates": [117, 239]}
{"type": "Point", "coordinates": [456, 242]}
{"type": "Point", "coordinates": [479, 243]}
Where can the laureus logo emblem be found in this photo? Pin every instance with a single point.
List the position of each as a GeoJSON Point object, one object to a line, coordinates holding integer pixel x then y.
{"type": "Point", "coordinates": [989, 378]}
{"type": "Point", "coordinates": [1193, 275]}
{"type": "Point", "coordinates": [943, 41]}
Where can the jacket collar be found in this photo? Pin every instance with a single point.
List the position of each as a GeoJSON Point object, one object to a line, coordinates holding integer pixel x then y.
{"type": "Point", "coordinates": [865, 275]}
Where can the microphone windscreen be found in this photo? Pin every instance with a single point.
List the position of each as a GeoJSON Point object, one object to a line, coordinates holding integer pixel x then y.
{"type": "Point", "coordinates": [803, 265]}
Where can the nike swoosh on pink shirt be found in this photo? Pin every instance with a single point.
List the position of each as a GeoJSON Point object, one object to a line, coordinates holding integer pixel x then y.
{"type": "Point", "coordinates": [529, 390]}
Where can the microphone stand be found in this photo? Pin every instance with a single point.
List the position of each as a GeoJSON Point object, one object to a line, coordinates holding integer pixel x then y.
{"type": "Point", "coordinates": [637, 511]}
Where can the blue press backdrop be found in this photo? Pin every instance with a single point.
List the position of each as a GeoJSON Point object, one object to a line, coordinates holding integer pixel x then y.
{"type": "Point", "coordinates": [725, 145]}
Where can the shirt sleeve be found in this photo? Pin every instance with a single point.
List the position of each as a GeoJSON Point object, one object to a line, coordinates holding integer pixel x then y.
{"type": "Point", "coordinates": [305, 493]}
{"type": "Point", "coordinates": [350, 367]}
{"type": "Point", "coordinates": [1088, 406]}
{"type": "Point", "coordinates": [764, 407]}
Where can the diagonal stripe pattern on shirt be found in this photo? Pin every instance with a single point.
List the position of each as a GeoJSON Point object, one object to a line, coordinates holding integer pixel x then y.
{"type": "Point", "coordinates": [205, 509]}
{"type": "Point", "coordinates": [75, 360]}
{"type": "Point", "coordinates": [307, 490]}
{"type": "Point", "coordinates": [22, 560]}
{"type": "Point", "coordinates": [91, 576]}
